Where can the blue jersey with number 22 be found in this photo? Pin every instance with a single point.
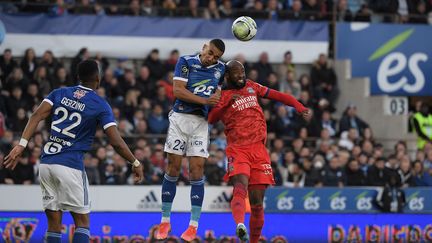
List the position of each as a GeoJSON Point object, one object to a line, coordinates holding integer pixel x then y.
{"type": "Point", "coordinates": [76, 112]}
{"type": "Point", "coordinates": [200, 80]}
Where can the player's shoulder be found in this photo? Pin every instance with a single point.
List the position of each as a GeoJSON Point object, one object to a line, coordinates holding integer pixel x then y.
{"type": "Point", "coordinates": [253, 86]}
{"type": "Point", "coordinates": [56, 92]}
{"type": "Point", "coordinates": [221, 65]}
{"type": "Point", "coordinates": [190, 58]}
{"type": "Point", "coordinates": [251, 83]}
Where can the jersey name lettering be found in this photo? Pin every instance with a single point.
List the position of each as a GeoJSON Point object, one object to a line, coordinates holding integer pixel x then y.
{"type": "Point", "coordinates": [73, 104]}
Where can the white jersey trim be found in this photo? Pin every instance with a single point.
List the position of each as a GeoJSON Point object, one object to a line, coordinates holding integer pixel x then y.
{"type": "Point", "coordinates": [48, 101]}
{"type": "Point", "coordinates": [109, 125]}
{"type": "Point", "coordinates": [180, 79]}
{"type": "Point", "coordinates": [86, 88]}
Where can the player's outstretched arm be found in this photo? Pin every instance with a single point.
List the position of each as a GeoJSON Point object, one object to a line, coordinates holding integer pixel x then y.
{"type": "Point", "coordinates": [121, 148]}
{"type": "Point", "coordinates": [42, 112]}
{"type": "Point", "coordinates": [290, 101]}
{"type": "Point", "coordinates": [182, 93]}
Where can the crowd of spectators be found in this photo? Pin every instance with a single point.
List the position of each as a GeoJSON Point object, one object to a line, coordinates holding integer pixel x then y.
{"type": "Point", "coordinates": [324, 152]}
{"type": "Point", "coordinates": [401, 11]}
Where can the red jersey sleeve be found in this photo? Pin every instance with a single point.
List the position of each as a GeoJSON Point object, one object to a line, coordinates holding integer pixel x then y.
{"type": "Point", "coordinates": [262, 91]}
{"type": "Point", "coordinates": [218, 110]}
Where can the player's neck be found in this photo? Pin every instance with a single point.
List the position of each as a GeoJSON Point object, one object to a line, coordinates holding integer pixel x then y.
{"type": "Point", "coordinates": [92, 86]}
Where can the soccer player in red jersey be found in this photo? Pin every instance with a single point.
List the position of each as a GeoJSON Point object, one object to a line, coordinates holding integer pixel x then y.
{"type": "Point", "coordinates": [249, 167]}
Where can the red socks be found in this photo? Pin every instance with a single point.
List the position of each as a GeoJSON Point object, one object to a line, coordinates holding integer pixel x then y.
{"type": "Point", "coordinates": [238, 204]}
{"type": "Point", "coordinates": [256, 223]}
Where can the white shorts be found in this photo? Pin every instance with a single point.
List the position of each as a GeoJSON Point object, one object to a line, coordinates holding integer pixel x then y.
{"type": "Point", "coordinates": [64, 188]}
{"type": "Point", "coordinates": [187, 135]}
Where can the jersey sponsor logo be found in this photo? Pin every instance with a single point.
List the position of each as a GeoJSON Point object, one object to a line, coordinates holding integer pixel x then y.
{"type": "Point", "coordinates": [79, 93]}
{"type": "Point", "coordinates": [196, 66]}
{"type": "Point", "coordinates": [60, 140]}
{"type": "Point", "coordinates": [245, 102]}
{"type": "Point", "coordinates": [196, 143]}
{"type": "Point", "coordinates": [201, 87]}
{"type": "Point", "coordinates": [217, 75]}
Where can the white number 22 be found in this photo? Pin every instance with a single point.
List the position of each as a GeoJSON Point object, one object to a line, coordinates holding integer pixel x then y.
{"type": "Point", "coordinates": [74, 116]}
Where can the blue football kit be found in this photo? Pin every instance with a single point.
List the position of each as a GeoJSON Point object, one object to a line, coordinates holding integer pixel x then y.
{"type": "Point", "coordinates": [76, 113]}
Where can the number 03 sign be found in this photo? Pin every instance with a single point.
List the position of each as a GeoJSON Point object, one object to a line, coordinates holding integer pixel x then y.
{"type": "Point", "coordinates": [396, 106]}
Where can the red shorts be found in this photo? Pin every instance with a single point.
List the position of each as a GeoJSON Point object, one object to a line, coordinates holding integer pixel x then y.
{"type": "Point", "coordinates": [251, 160]}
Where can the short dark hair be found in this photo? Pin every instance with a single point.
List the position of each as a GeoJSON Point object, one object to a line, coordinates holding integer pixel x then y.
{"type": "Point", "coordinates": [219, 44]}
{"type": "Point", "coordinates": [88, 71]}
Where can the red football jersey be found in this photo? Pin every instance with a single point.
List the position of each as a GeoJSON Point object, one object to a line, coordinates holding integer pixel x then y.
{"type": "Point", "coordinates": [244, 119]}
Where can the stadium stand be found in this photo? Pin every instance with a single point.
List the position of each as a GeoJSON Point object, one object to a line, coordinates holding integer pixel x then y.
{"type": "Point", "coordinates": [325, 152]}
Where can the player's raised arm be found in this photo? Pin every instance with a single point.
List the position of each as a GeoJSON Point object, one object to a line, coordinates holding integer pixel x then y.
{"type": "Point", "coordinates": [289, 100]}
{"type": "Point", "coordinates": [42, 112]}
{"type": "Point", "coordinates": [121, 148]}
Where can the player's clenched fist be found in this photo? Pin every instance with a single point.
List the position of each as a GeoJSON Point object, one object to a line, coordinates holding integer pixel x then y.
{"type": "Point", "coordinates": [307, 115]}
{"type": "Point", "coordinates": [138, 173]}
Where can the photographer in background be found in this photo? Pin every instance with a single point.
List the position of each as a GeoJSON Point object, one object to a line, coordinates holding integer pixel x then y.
{"type": "Point", "coordinates": [392, 198]}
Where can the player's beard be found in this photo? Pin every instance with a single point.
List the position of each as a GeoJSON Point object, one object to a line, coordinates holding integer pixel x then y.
{"type": "Point", "coordinates": [238, 85]}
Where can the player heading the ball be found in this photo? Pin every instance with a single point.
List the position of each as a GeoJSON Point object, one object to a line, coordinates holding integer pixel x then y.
{"type": "Point", "coordinates": [196, 80]}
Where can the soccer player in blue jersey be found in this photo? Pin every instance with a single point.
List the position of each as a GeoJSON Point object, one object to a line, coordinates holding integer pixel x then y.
{"type": "Point", "coordinates": [196, 80]}
{"type": "Point", "coordinates": [76, 112]}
